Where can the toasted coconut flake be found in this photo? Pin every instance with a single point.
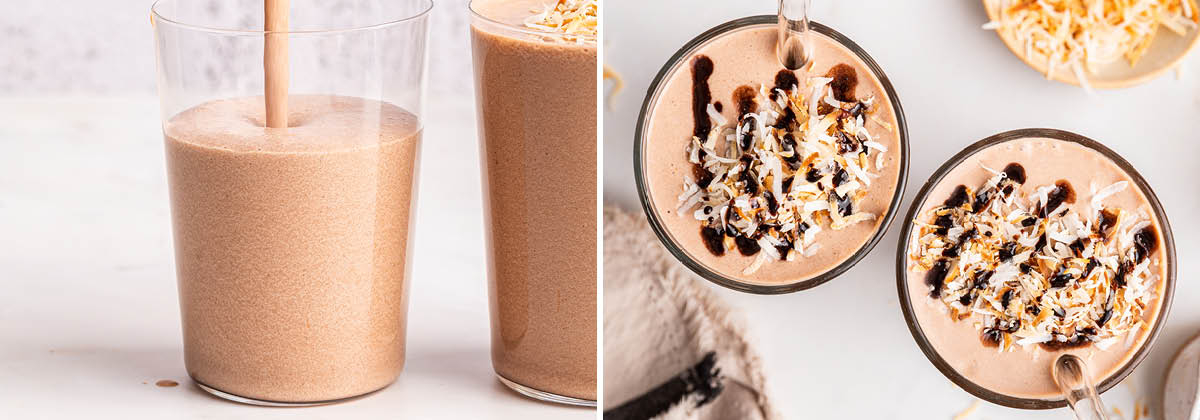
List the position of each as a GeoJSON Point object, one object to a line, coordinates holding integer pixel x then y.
{"type": "Point", "coordinates": [966, 414]}
{"type": "Point", "coordinates": [716, 116]}
{"type": "Point", "coordinates": [886, 125]}
{"type": "Point", "coordinates": [618, 84]}
{"type": "Point", "coordinates": [1097, 200]}
{"type": "Point", "coordinates": [875, 146]}
{"type": "Point", "coordinates": [754, 266]}
{"type": "Point", "coordinates": [812, 250]}
{"type": "Point", "coordinates": [576, 18]}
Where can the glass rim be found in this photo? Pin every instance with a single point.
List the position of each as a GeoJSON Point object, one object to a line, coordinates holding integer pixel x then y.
{"type": "Point", "coordinates": [906, 303]}
{"type": "Point", "coordinates": [156, 16]}
{"type": "Point", "coordinates": [660, 229]}
{"type": "Point", "coordinates": [588, 38]}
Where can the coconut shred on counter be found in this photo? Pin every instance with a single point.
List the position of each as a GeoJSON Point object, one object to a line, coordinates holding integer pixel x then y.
{"type": "Point", "coordinates": [770, 181]}
{"type": "Point", "coordinates": [1030, 270]}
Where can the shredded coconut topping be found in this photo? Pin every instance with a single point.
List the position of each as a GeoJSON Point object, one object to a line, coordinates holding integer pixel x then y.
{"type": "Point", "coordinates": [618, 84]}
{"type": "Point", "coordinates": [1080, 35]}
{"type": "Point", "coordinates": [571, 17]}
{"type": "Point", "coordinates": [795, 163]}
{"type": "Point", "coordinates": [1031, 270]}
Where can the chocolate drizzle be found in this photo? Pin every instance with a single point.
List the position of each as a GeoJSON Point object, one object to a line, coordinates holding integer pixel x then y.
{"type": "Point", "coordinates": [703, 176]}
{"type": "Point", "coordinates": [812, 175]}
{"type": "Point", "coordinates": [936, 276]}
{"type": "Point", "coordinates": [982, 199]}
{"type": "Point", "coordinates": [1123, 269]}
{"type": "Point", "coordinates": [743, 97]}
{"type": "Point", "coordinates": [1062, 193]}
{"type": "Point", "coordinates": [786, 121]}
{"type": "Point", "coordinates": [1105, 223]}
{"type": "Point", "coordinates": [746, 245]}
{"type": "Point", "coordinates": [1145, 241]}
{"type": "Point", "coordinates": [844, 206]}
{"type": "Point", "coordinates": [702, 69]}
{"type": "Point", "coordinates": [1015, 172]}
{"type": "Point", "coordinates": [845, 79]}
{"type": "Point", "coordinates": [1080, 339]}
{"type": "Point", "coordinates": [713, 240]}
{"type": "Point", "coordinates": [785, 80]}
{"type": "Point", "coordinates": [982, 279]}
{"type": "Point", "coordinates": [958, 197]}
{"type": "Point", "coordinates": [991, 337]}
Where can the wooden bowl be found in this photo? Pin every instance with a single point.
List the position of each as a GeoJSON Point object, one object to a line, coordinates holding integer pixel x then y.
{"type": "Point", "coordinates": [1180, 381]}
{"type": "Point", "coordinates": [1164, 53]}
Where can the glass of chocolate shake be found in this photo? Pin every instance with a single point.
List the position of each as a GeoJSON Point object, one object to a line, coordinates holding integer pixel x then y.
{"type": "Point", "coordinates": [1028, 246]}
{"type": "Point", "coordinates": [535, 85]}
{"type": "Point", "coordinates": [292, 141]}
{"type": "Point", "coordinates": [764, 179]}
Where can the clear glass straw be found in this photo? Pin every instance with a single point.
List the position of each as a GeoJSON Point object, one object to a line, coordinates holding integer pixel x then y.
{"type": "Point", "coordinates": [1071, 375]}
{"type": "Point", "coordinates": [792, 47]}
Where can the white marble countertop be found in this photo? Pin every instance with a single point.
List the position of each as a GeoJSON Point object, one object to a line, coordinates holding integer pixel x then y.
{"type": "Point", "coordinates": [958, 84]}
{"type": "Point", "coordinates": [89, 316]}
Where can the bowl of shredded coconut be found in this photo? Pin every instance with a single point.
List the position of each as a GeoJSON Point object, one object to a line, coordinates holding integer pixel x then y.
{"type": "Point", "coordinates": [1097, 44]}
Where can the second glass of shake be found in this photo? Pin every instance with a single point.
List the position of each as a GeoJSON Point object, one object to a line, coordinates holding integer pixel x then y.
{"type": "Point", "coordinates": [535, 78]}
{"type": "Point", "coordinates": [1029, 246]}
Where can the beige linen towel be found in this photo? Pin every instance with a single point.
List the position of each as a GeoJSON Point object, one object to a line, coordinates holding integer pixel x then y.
{"type": "Point", "coordinates": [660, 320]}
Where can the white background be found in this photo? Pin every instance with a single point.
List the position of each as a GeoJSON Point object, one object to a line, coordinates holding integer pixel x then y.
{"type": "Point", "coordinates": [842, 350]}
{"type": "Point", "coordinates": [89, 315]}
{"type": "Point", "coordinates": [106, 47]}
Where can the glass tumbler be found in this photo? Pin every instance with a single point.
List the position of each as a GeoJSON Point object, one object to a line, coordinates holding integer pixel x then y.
{"type": "Point", "coordinates": [1082, 380]}
{"type": "Point", "coordinates": [650, 144]}
{"type": "Point", "coordinates": [536, 97]}
{"type": "Point", "coordinates": [292, 244]}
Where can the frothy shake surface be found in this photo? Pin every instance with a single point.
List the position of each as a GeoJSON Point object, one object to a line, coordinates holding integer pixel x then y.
{"type": "Point", "coordinates": [746, 57]}
{"type": "Point", "coordinates": [510, 12]}
{"type": "Point", "coordinates": [292, 245]}
{"type": "Point", "coordinates": [1025, 371]}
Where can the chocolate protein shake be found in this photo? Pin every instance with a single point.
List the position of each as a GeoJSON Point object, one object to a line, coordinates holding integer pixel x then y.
{"type": "Point", "coordinates": [292, 245]}
{"type": "Point", "coordinates": [535, 73]}
{"type": "Point", "coordinates": [764, 175]}
{"type": "Point", "coordinates": [1029, 249]}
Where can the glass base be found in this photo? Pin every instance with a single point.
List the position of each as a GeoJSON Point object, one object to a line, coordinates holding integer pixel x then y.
{"type": "Point", "coordinates": [545, 396]}
{"type": "Point", "coordinates": [265, 403]}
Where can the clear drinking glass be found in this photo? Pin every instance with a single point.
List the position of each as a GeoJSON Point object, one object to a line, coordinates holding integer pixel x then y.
{"type": "Point", "coordinates": [292, 244]}
{"type": "Point", "coordinates": [1079, 391]}
{"type": "Point", "coordinates": [642, 143]}
{"type": "Point", "coordinates": [536, 96]}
